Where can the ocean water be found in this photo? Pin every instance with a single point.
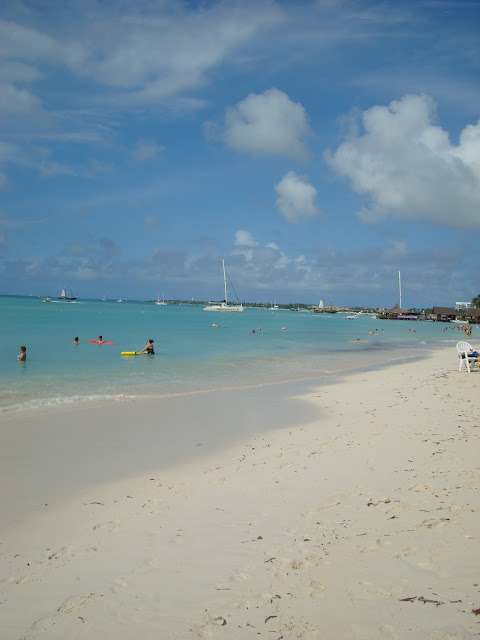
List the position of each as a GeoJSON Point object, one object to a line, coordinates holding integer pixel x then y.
{"type": "Point", "coordinates": [191, 354]}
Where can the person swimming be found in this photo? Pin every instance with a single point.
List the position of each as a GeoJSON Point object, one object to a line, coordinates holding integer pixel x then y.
{"type": "Point", "coordinates": [75, 341]}
{"type": "Point", "coordinates": [148, 348]}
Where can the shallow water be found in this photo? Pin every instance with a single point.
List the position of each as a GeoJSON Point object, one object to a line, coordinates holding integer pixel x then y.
{"type": "Point", "coordinates": [191, 354]}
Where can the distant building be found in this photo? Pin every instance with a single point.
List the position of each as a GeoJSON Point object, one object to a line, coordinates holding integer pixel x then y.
{"type": "Point", "coordinates": [446, 314]}
{"type": "Point", "coordinates": [396, 313]}
{"type": "Point", "coordinates": [463, 305]}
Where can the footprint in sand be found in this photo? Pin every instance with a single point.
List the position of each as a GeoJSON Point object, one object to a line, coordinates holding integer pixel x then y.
{"type": "Point", "coordinates": [406, 553]}
{"type": "Point", "coordinates": [153, 506]}
{"type": "Point", "coordinates": [113, 524]}
{"type": "Point", "coordinates": [238, 576]}
{"type": "Point", "coordinates": [388, 631]}
{"type": "Point", "coordinates": [419, 487]}
{"type": "Point", "coordinates": [74, 603]}
{"type": "Point", "coordinates": [399, 509]}
{"type": "Point", "coordinates": [371, 588]}
{"type": "Point", "coordinates": [430, 567]}
{"type": "Point", "coordinates": [119, 586]}
{"type": "Point", "coordinates": [71, 605]}
{"type": "Point", "coordinates": [434, 524]}
{"type": "Point", "coordinates": [454, 508]}
{"type": "Point", "coordinates": [64, 551]}
{"type": "Point", "coordinates": [308, 561]}
{"type": "Point", "coordinates": [318, 589]}
{"type": "Point", "coordinates": [379, 544]}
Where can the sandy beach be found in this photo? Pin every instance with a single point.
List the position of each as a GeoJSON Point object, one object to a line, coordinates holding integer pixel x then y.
{"type": "Point", "coordinates": [342, 511]}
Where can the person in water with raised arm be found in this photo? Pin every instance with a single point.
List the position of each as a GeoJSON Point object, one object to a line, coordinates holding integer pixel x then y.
{"type": "Point", "coordinates": [148, 348]}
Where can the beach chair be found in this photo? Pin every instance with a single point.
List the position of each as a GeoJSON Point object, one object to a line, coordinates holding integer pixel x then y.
{"type": "Point", "coordinates": [464, 349]}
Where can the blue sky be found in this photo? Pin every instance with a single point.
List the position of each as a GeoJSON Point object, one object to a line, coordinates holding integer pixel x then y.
{"type": "Point", "coordinates": [319, 147]}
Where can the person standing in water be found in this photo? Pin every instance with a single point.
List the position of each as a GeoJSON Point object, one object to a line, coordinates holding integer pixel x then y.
{"type": "Point", "coordinates": [148, 348]}
{"type": "Point", "coordinates": [23, 353]}
{"type": "Point", "coordinates": [75, 341]}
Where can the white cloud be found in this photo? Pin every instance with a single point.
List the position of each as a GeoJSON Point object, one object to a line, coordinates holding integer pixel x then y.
{"type": "Point", "coordinates": [145, 150]}
{"type": "Point", "coordinates": [244, 239]}
{"type": "Point", "coordinates": [21, 42]}
{"type": "Point", "coordinates": [407, 167]}
{"type": "Point", "coordinates": [153, 221]}
{"type": "Point", "coordinates": [160, 55]}
{"type": "Point", "coordinates": [296, 198]}
{"type": "Point", "coordinates": [267, 124]}
{"type": "Point", "coordinates": [152, 52]}
{"type": "Point", "coordinates": [9, 153]}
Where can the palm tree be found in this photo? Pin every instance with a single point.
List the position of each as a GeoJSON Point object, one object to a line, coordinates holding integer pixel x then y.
{"type": "Point", "coordinates": [476, 302]}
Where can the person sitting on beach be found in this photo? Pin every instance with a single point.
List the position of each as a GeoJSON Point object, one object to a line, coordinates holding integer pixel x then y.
{"type": "Point", "coordinates": [75, 341]}
{"type": "Point", "coordinates": [471, 354]}
{"type": "Point", "coordinates": [23, 353]}
{"type": "Point", "coordinates": [148, 348]}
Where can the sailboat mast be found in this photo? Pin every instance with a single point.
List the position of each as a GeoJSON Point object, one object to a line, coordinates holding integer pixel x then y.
{"type": "Point", "coordinates": [224, 280]}
{"type": "Point", "coordinates": [400, 288]}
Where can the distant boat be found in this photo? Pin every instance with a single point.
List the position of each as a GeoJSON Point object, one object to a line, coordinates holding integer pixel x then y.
{"type": "Point", "coordinates": [223, 306]}
{"type": "Point", "coordinates": [63, 296]}
{"type": "Point", "coordinates": [119, 300]}
{"type": "Point", "coordinates": [161, 302]}
{"type": "Point", "coordinates": [321, 308]}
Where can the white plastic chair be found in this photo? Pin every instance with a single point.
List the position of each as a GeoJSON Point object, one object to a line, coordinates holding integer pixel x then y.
{"type": "Point", "coordinates": [464, 348]}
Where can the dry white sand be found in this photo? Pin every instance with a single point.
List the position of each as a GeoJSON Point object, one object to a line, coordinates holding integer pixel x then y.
{"type": "Point", "coordinates": [356, 520]}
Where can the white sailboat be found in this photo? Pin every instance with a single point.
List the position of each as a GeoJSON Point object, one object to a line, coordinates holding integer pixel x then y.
{"type": "Point", "coordinates": [63, 296]}
{"type": "Point", "coordinates": [161, 302]}
{"type": "Point", "coordinates": [223, 306]}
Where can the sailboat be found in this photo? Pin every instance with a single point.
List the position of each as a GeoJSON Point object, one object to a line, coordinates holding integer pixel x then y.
{"type": "Point", "coordinates": [63, 296]}
{"type": "Point", "coordinates": [158, 301]}
{"type": "Point", "coordinates": [223, 306]}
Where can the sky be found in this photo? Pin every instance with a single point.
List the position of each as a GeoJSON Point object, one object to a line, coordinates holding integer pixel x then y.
{"type": "Point", "coordinates": [319, 147]}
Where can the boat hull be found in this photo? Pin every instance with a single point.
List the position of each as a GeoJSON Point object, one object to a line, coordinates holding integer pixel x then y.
{"type": "Point", "coordinates": [223, 307]}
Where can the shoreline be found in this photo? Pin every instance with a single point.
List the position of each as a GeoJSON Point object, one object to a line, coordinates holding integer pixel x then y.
{"type": "Point", "coordinates": [366, 361]}
{"type": "Point", "coordinates": [320, 523]}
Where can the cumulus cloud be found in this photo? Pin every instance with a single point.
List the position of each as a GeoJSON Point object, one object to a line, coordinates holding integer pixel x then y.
{"type": "Point", "coordinates": [267, 124]}
{"type": "Point", "coordinates": [296, 198]}
{"type": "Point", "coordinates": [244, 239]}
{"type": "Point", "coordinates": [407, 167]}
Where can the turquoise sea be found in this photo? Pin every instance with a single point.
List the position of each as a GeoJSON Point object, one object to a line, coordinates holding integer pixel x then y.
{"type": "Point", "coordinates": [191, 354]}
